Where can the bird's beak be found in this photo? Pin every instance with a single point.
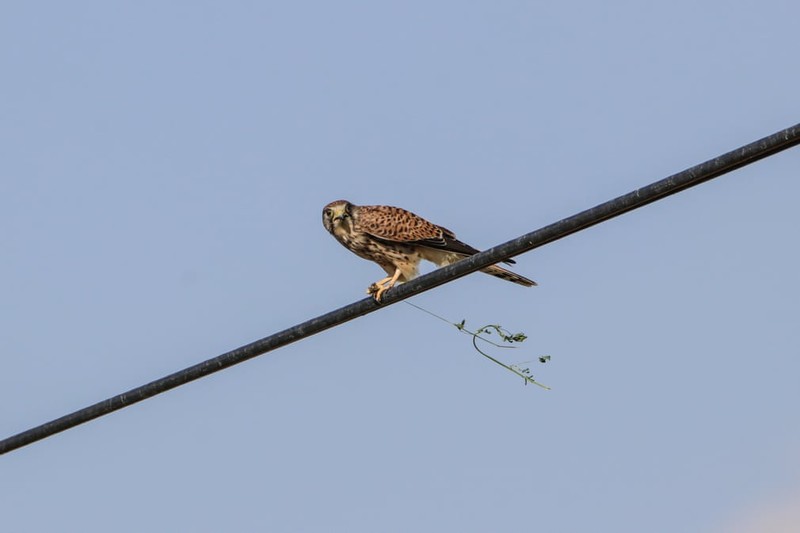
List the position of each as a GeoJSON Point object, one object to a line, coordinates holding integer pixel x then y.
{"type": "Point", "coordinates": [338, 213]}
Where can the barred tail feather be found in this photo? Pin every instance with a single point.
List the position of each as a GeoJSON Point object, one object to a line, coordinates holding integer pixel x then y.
{"type": "Point", "coordinates": [502, 273]}
{"type": "Point", "coordinates": [443, 258]}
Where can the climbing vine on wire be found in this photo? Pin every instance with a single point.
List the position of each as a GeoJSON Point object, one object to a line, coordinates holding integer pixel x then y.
{"type": "Point", "coordinates": [505, 336]}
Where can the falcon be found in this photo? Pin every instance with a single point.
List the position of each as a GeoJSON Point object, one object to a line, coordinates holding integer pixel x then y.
{"type": "Point", "coordinates": [397, 240]}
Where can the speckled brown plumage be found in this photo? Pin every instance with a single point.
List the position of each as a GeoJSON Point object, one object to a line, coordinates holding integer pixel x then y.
{"type": "Point", "coordinates": [398, 240]}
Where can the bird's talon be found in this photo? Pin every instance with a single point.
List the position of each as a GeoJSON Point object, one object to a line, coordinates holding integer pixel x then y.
{"type": "Point", "coordinates": [376, 291]}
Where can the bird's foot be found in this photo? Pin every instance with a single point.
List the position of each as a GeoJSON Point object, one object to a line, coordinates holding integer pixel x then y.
{"type": "Point", "coordinates": [377, 289]}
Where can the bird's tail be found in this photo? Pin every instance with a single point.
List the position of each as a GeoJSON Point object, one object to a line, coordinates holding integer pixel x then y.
{"type": "Point", "coordinates": [502, 273]}
{"type": "Point", "coordinates": [443, 258]}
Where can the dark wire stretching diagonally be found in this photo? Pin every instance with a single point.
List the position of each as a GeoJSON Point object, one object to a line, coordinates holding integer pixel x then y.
{"type": "Point", "coordinates": [655, 191]}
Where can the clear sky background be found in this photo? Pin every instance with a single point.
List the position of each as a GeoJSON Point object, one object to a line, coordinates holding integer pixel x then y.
{"type": "Point", "coordinates": [163, 166]}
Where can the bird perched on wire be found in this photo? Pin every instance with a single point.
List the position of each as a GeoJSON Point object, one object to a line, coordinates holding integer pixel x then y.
{"type": "Point", "coordinates": [397, 240]}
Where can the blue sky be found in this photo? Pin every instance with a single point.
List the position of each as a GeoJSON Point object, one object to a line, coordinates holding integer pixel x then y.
{"type": "Point", "coordinates": [163, 169]}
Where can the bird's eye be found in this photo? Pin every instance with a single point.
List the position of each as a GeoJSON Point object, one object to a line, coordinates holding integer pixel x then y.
{"type": "Point", "coordinates": [328, 212]}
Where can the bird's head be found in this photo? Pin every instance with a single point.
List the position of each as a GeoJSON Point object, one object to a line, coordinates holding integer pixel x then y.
{"type": "Point", "coordinates": [336, 214]}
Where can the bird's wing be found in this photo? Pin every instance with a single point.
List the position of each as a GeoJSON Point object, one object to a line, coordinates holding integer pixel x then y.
{"type": "Point", "coordinates": [394, 224]}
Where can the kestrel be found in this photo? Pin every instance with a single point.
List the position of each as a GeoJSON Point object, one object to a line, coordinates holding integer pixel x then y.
{"type": "Point", "coordinates": [398, 240]}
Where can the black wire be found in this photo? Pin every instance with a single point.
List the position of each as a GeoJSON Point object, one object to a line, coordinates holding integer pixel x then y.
{"type": "Point", "coordinates": [678, 182]}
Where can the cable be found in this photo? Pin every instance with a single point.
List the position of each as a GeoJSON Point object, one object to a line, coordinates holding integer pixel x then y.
{"type": "Point", "coordinates": [655, 191]}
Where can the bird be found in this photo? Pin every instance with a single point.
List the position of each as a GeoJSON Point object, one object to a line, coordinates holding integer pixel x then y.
{"type": "Point", "coordinates": [398, 240]}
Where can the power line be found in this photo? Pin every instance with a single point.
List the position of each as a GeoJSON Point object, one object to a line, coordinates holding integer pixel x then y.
{"type": "Point", "coordinates": [655, 191]}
